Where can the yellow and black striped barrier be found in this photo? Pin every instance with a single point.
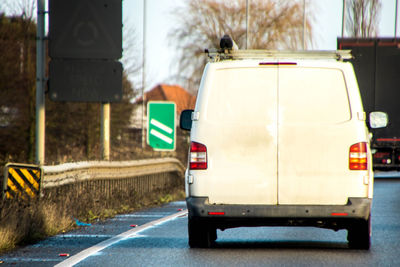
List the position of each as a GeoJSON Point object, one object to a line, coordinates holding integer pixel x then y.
{"type": "Point", "coordinates": [22, 181]}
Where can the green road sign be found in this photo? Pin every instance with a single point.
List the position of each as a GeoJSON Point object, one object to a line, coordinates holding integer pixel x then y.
{"type": "Point", "coordinates": [161, 125]}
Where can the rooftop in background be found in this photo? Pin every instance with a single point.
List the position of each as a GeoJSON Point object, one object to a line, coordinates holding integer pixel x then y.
{"type": "Point", "coordinates": [174, 93]}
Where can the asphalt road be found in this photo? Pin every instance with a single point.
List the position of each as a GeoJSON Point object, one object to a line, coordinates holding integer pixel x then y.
{"type": "Point", "coordinates": [159, 240]}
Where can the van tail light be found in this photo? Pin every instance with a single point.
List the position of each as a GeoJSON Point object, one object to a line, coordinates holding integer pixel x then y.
{"type": "Point", "coordinates": [358, 156]}
{"type": "Point", "coordinates": [216, 213]}
{"type": "Point", "coordinates": [339, 214]}
{"type": "Point", "coordinates": [198, 156]}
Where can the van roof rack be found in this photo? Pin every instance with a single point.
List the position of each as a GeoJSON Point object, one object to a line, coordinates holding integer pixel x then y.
{"type": "Point", "coordinates": [231, 54]}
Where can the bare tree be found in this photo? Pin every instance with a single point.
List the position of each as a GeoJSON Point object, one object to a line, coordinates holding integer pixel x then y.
{"type": "Point", "coordinates": [131, 54]}
{"type": "Point", "coordinates": [23, 8]}
{"type": "Point", "coordinates": [362, 17]}
{"type": "Point", "coordinates": [200, 24]}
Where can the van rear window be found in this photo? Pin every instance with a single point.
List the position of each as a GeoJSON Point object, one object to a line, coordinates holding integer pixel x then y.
{"type": "Point", "coordinates": [251, 95]}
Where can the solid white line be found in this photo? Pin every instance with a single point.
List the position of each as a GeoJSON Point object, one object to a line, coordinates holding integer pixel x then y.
{"type": "Point", "coordinates": [109, 242]}
{"type": "Point", "coordinates": [160, 125]}
{"type": "Point", "coordinates": [17, 260]}
{"type": "Point", "coordinates": [82, 236]}
{"type": "Point", "coordinates": [161, 136]}
{"type": "Point", "coordinates": [136, 216]}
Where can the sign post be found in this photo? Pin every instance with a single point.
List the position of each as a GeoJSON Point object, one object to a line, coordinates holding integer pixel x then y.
{"type": "Point", "coordinates": [40, 83]}
{"type": "Point", "coordinates": [161, 130]}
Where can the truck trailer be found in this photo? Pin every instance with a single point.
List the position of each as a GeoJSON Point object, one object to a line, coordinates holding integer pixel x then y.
{"type": "Point", "coordinates": [376, 63]}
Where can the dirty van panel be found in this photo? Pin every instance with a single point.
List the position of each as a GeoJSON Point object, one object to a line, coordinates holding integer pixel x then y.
{"type": "Point", "coordinates": [315, 133]}
{"type": "Point", "coordinates": [312, 95]}
{"type": "Point", "coordinates": [242, 150]}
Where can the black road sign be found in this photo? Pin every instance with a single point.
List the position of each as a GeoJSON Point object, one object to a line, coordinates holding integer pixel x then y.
{"type": "Point", "coordinates": [85, 81]}
{"type": "Point", "coordinates": [85, 29]}
{"type": "Point", "coordinates": [85, 42]}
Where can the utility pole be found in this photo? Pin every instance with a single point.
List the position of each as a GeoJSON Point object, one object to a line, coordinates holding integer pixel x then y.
{"type": "Point", "coordinates": [343, 17]}
{"type": "Point", "coordinates": [247, 23]}
{"type": "Point", "coordinates": [304, 24]}
{"type": "Point", "coordinates": [144, 77]}
{"type": "Point", "coordinates": [40, 82]}
{"type": "Point", "coordinates": [395, 21]}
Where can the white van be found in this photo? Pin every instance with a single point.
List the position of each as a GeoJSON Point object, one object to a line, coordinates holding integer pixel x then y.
{"type": "Point", "coordinates": [279, 139]}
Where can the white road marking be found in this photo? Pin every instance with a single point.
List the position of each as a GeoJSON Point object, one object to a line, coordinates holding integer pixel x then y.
{"type": "Point", "coordinates": [160, 125]}
{"type": "Point", "coordinates": [158, 214]}
{"type": "Point", "coordinates": [109, 242]}
{"type": "Point", "coordinates": [161, 136]}
{"type": "Point", "coordinates": [178, 203]}
{"type": "Point", "coordinates": [129, 217]}
{"type": "Point", "coordinates": [16, 260]}
{"type": "Point", "coordinates": [82, 236]}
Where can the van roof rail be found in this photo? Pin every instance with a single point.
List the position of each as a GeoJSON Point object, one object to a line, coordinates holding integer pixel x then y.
{"type": "Point", "coordinates": [230, 54]}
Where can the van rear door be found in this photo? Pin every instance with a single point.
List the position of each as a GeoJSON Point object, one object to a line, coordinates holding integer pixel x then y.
{"type": "Point", "coordinates": [315, 133]}
{"type": "Point", "coordinates": [239, 129]}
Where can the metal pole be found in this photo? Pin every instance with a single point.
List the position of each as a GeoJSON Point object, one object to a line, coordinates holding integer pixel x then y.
{"type": "Point", "coordinates": [395, 21]}
{"type": "Point", "coordinates": [105, 131]}
{"type": "Point", "coordinates": [304, 24]}
{"type": "Point", "coordinates": [40, 82]}
{"type": "Point", "coordinates": [343, 17]}
{"type": "Point", "coordinates": [247, 24]}
{"type": "Point", "coordinates": [144, 77]}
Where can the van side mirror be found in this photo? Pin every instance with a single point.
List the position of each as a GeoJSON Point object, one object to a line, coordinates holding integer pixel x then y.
{"type": "Point", "coordinates": [378, 119]}
{"type": "Point", "coordinates": [185, 121]}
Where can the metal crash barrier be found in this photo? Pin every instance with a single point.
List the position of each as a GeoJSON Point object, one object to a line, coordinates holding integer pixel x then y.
{"type": "Point", "coordinates": [142, 176]}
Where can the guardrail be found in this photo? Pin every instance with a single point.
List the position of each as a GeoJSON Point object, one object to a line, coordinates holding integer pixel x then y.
{"type": "Point", "coordinates": [70, 173]}
{"type": "Point", "coordinates": [105, 179]}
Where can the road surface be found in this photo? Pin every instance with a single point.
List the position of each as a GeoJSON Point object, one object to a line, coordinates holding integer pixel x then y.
{"type": "Point", "coordinates": [160, 239]}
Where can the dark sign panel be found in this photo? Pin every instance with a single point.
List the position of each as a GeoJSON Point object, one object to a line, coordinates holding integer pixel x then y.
{"type": "Point", "coordinates": [85, 42]}
{"type": "Point", "coordinates": [85, 81]}
{"type": "Point", "coordinates": [85, 29]}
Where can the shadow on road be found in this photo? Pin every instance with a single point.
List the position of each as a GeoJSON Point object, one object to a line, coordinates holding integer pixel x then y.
{"type": "Point", "coordinates": [254, 244]}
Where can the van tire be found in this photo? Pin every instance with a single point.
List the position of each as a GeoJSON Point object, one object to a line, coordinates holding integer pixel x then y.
{"type": "Point", "coordinates": [359, 234]}
{"type": "Point", "coordinates": [200, 234]}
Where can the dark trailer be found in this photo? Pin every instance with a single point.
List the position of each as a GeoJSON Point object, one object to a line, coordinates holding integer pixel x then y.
{"type": "Point", "coordinates": [376, 63]}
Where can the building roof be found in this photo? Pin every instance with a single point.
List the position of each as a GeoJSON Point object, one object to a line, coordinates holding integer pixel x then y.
{"type": "Point", "coordinates": [174, 93]}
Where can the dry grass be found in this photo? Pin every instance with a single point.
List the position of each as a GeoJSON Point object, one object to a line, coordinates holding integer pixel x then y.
{"type": "Point", "coordinates": [23, 223]}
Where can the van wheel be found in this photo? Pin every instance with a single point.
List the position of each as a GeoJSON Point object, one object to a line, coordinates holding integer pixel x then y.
{"type": "Point", "coordinates": [359, 234]}
{"type": "Point", "coordinates": [200, 234]}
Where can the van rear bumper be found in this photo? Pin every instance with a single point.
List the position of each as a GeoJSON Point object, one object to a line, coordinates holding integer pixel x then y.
{"type": "Point", "coordinates": [326, 216]}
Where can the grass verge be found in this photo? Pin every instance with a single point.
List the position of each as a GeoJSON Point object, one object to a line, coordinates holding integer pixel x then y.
{"type": "Point", "coordinates": [23, 222]}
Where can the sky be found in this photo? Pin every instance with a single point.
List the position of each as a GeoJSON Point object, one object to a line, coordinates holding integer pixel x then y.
{"type": "Point", "coordinates": [160, 58]}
